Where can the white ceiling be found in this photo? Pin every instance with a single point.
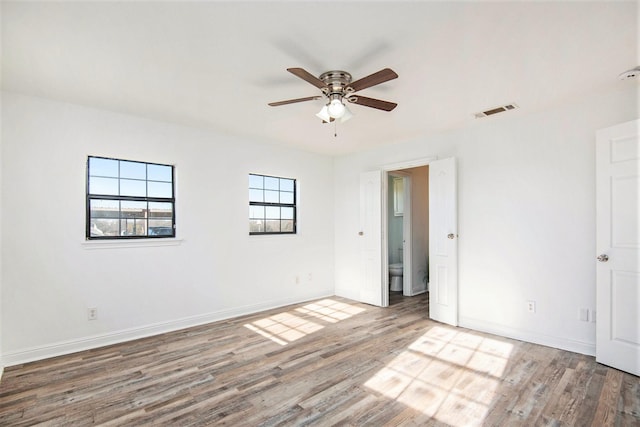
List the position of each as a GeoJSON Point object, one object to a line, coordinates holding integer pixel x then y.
{"type": "Point", "coordinates": [217, 64]}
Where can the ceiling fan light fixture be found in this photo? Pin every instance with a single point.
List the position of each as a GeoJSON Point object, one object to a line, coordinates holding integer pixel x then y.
{"type": "Point", "coordinates": [324, 114]}
{"type": "Point", "coordinates": [347, 115]}
{"type": "Point", "coordinates": [336, 108]}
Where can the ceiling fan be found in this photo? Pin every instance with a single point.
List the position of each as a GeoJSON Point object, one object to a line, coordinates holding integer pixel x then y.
{"type": "Point", "coordinates": [337, 86]}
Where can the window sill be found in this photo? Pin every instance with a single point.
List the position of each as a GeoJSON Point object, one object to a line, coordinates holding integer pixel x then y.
{"type": "Point", "coordinates": [129, 243]}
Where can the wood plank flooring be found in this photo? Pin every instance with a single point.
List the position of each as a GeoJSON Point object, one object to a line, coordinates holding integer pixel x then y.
{"type": "Point", "coordinates": [328, 362]}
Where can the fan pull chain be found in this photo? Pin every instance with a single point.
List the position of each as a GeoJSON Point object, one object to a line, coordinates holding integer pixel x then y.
{"type": "Point", "coordinates": [335, 128]}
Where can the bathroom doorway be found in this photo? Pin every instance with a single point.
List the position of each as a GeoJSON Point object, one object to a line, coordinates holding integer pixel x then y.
{"type": "Point", "coordinates": [407, 232]}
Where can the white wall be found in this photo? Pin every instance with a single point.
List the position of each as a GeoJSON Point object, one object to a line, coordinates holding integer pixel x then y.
{"type": "Point", "coordinates": [51, 275]}
{"type": "Point", "coordinates": [526, 216]}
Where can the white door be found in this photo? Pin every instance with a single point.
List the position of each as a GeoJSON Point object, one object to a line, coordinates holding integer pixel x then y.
{"type": "Point", "coordinates": [618, 246]}
{"type": "Point", "coordinates": [443, 242]}
{"type": "Point", "coordinates": [370, 235]}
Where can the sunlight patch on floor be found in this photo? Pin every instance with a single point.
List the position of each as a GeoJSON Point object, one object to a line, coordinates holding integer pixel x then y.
{"type": "Point", "coordinates": [330, 310]}
{"type": "Point", "coordinates": [286, 327]}
{"type": "Point", "coordinates": [446, 374]}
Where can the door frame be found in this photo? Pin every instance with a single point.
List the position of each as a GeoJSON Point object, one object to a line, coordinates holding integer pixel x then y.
{"type": "Point", "coordinates": [395, 167]}
{"type": "Point", "coordinates": [407, 248]}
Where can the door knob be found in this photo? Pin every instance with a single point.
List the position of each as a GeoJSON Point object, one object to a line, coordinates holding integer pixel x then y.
{"type": "Point", "coordinates": [603, 258]}
{"type": "Point", "coordinates": [451, 236]}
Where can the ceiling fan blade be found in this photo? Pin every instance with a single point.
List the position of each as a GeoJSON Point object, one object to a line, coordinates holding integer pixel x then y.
{"type": "Point", "coordinates": [373, 103]}
{"type": "Point", "coordinates": [308, 77]}
{"type": "Point", "coordinates": [373, 79]}
{"type": "Point", "coordinates": [293, 101]}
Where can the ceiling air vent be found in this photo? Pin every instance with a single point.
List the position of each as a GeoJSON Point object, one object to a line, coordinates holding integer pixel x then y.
{"type": "Point", "coordinates": [496, 110]}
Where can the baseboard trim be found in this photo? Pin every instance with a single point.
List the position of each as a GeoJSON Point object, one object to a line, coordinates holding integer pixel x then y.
{"type": "Point", "coordinates": [87, 343]}
{"type": "Point", "coordinates": [576, 346]}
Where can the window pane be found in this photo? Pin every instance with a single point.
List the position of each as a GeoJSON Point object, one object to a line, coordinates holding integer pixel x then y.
{"type": "Point", "coordinates": [134, 170]}
{"type": "Point", "coordinates": [159, 222]}
{"type": "Point", "coordinates": [287, 225]}
{"type": "Point", "coordinates": [160, 219]}
{"type": "Point", "coordinates": [286, 213]}
{"type": "Point", "coordinates": [256, 196]}
{"type": "Point", "coordinates": [256, 226]}
{"type": "Point", "coordinates": [159, 173]}
{"type": "Point", "coordinates": [160, 210]}
{"type": "Point", "coordinates": [271, 183]}
{"type": "Point", "coordinates": [272, 212]}
{"type": "Point", "coordinates": [256, 181]}
{"type": "Point", "coordinates": [130, 187]}
{"type": "Point", "coordinates": [271, 196]}
{"type": "Point", "coordinates": [286, 185]}
{"type": "Point", "coordinates": [272, 226]}
{"type": "Point", "coordinates": [133, 209]}
{"type": "Point", "coordinates": [104, 209]}
{"type": "Point", "coordinates": [133, 227]}
{"type": "Point", "coordinates": [159, 189]}
{"type": "Point", "coordinates": [104, 227]}
{"type": "Point", "coordinates": [286, 197]}
{"type": "Point", "coordinates": [107, 186]}
{"type": "Point", "coordinates": [103, 167]}
{"type": "Point", "coordinates": [160, 227]}
{"type": "Point", "coordinates": [256, 212]}
{"type": "Point", "coordinates": [104, 218]}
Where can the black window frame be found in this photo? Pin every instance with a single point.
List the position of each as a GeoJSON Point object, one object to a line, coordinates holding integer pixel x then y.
{"type": "Point", "coordinates": [273, 204]}
{"type": "Point", "coordinates": [120, 198]}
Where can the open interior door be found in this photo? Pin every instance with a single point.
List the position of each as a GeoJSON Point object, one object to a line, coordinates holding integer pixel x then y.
{"type": "Point", "coordinates": [618, 246]}
{"type": "Point", "coordinates": [371, 238]}
{"type": "Point", "coordinates": [443, 242]}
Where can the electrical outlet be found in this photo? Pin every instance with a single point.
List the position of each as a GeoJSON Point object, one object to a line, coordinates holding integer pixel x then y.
{"type": "Point", "coordinates": [92, 313]}
{"type": "Point", "coordinates": [309, 277]}
{"type": "Point", "coordinates": [593, 316]}
{"type": "Point", "coordinates": [531, 306]}
{"type": "Point", "coordinates": [297, 279]}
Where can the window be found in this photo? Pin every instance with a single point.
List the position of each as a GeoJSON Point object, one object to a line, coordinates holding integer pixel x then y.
{"type": "Point", "coordinates": [128, 200]}
{"type": "Point", "coordinates": [272, 205]}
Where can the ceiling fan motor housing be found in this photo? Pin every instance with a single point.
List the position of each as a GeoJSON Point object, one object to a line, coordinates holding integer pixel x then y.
{"type": "Point", "coordinates": [336, 82]}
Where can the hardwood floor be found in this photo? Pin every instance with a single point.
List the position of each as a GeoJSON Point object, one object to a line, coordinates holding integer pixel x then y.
{"type": "Point", "coordinates": [329, 362]}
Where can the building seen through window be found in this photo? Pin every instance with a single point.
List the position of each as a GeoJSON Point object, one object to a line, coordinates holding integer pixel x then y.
{"type": "Point", "coordinates": [272, 205]}
{"type": "Point", "coordinates": [129, 199]}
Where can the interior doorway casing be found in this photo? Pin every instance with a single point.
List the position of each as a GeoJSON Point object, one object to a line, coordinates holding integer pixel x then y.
{"type": "Point", "coordinates": [407, 266]}
{"type": "Point", "coordinates": [407, 275]}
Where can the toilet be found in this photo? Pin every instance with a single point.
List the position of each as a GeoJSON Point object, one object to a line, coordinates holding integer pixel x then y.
{"type": "Point", "coordinates": [395, 275]}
